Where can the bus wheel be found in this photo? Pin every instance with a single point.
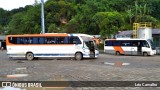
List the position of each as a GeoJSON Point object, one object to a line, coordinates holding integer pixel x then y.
{"type": "Point", "coordinates": [117, 53]}
{"type": "Point", "coordinates": [78, 56]}
{"type": "Point", "coordinates": [145, 54]}
{"type": "Point", "coordinates": [30, 56]}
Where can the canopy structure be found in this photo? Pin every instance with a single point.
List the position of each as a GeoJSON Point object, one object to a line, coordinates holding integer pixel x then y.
{"type": "Point", "coordinates": [2, 38]}
{"type": "Point", "coordinates": [129, 33]}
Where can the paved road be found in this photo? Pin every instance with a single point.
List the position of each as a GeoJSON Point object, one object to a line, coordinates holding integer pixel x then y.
{"type": "Point", "coordinates": [105, 68]}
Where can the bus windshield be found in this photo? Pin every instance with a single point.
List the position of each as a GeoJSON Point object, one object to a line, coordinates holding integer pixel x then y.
{"type": "Point", "coordinates": [151, 43]}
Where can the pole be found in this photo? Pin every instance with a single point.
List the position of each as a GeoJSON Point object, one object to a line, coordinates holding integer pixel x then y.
{"type": "Point", "coordinates": [42, 16]}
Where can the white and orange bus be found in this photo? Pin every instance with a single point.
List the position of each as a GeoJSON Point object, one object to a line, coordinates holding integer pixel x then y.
{"type": "Point", "coordinates": [32, 46]}
{"type": "Point", "coordinates": [129, 46]}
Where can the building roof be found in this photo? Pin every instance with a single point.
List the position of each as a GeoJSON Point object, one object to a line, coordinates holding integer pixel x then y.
{"type": "Point", "coordinates": [124, 33]}
{"type": "Point", "coordinates": [130, 32]}
{"type": "Point", "coordinates": [2, 37]}
{"type": "Point", "coordinates": [155, 31]}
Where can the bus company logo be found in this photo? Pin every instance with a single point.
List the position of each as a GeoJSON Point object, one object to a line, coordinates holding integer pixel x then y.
{"type": "Point", "coordinates": [6, 84]}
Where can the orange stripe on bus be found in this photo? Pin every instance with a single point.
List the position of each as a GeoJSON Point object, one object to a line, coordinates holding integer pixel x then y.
{"type": "Point", "coordinates": [119, 49]}
{"type": "Point", "coordinates": [35, 35]}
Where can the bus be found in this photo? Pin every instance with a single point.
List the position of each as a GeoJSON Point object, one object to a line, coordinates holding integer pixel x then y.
{"type": "Point", "coordinates": [129, 46]}
{"type": "Point", "coordinates": [33, 46]}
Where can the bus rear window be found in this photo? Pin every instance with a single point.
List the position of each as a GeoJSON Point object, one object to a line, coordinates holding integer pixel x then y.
{"type": "Point", "coordinates": [108, 43]}
{"type": "Point", "coordinates": [12, 40]}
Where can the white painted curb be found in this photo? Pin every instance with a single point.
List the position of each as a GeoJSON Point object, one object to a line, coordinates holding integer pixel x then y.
{"type": "Point", "coordinates": [16, 75]}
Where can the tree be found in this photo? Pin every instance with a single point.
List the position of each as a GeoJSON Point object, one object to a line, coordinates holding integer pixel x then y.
{"type": "Point", "coordinates": [52, 28]}
{"type": "Point", "coordinates": [58, 12]}
{"type": "Point", "coordinates": [1, 29]}
{"type": "Point", "coordinates": [3, 17]}
{"type": "Point", "coordinates": [26, 22]}
{"type": "Point", "coordinates": [81, 16]}
{"type": "Point", "coordinates": [72, 26]}
{"type": "Point", "coordinates": [108, 22]}
{"type": "Point", "coordinates": [15, 25]}
{"type": "Point", "coordinates": [142, 10]}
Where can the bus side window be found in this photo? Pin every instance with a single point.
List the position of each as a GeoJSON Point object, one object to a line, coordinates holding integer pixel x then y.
{"type": "Point", "coordinates": [75, 40]}
{"type": "Point", "coordinates": [41, 40]}
{"type": "Point", "coordinates": [134, 43]}
{"type": "Point", "coordinates": [116, 43]}
{"type": "Point", "coordinates": [21, 41]}
{"type": "Point", "coordinates": [35, 40]}
{"type": "Point", "coordinates": [108, 43]}
{"type": "Point", "coordinates": [18, 41]}
{"type": "Point", "coordinates": [71, 40]}
{"type": "Point", "coordinates": [66, 39]}
{"type": "Point", "coordinates": [78, 41]}
{"type": "Point", "coordinates": [126, 43]}
{"type": "Point", "coordinates": [56, 40]}
{"type": "Point", "coordinates": [122, 43]}
{"type": "Point", "coordinates": [30, 40]}
{"type": "Point", "coordinates": [53, 40]}
{"type": "Point", "coordinates": [25, 40]}
{"type": "Point", "coordinates": [129, 43]}
{"type": "Point", "coordinates": [61, 40]}
{"type": "Point", "coordinates": [48, 40]}
{"type": "Point", "coordinates": [45, 40]}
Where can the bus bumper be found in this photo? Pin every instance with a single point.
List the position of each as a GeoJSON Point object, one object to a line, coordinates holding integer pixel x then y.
{"type": "Point", "coordinates": [90, 55]}
{"type": "Point", "coordinates": [153, 52]}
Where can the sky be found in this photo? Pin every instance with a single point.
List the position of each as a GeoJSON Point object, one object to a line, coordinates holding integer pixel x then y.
{"type": "Point", "coordinates": [13, 4]}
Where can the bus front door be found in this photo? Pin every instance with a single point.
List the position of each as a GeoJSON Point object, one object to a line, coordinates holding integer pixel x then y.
{"type": "Point", "coordinates": [139, 48]}
{"type": "Point", "coordinates": [92, 49]}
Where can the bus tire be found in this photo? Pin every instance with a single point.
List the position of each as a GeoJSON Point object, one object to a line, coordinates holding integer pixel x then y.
{"type": "Point", "coordinates": [117, 53]}
{"type": "Point", "coordinates": [78, 56]}
{"type": "Point", "coordinates": [145, 54]}
{"type": "Point", "coordinates": [29, 56]}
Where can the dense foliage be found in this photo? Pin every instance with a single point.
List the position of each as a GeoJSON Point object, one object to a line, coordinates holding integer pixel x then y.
{"type": "Point", "coordinates": [102, 17]}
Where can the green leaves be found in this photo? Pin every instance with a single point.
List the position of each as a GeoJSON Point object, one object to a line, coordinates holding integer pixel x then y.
{"type": "Point", "coordinates": [26, 21]}
{"type": "Point", "coordinates": [108, 22]}
{"type": "Point", "coordinates": [103, 17]}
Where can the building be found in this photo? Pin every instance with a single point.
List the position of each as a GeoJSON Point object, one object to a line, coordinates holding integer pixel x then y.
{"type": "Point", "coordinates": [3, 41]}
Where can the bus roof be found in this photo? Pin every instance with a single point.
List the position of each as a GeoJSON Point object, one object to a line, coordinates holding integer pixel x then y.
{"type": "Point", "coordinates": [49, 34]}
{"type": "Point", "coordinates": [52, 34]}
{"type": "Point", "coordinates": [127, 39]}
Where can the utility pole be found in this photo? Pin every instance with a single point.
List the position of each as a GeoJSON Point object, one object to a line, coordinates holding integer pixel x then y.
{"type": "Point", "coordinates": [42, 16]}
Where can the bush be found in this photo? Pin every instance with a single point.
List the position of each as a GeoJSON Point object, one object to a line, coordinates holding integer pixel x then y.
{"type": "Point", "coordinates": [101, 46]}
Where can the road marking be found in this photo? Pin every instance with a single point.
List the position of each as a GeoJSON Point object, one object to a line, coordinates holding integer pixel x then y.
{"type": "Point", "coordinates": [23, 68]}
{"type": "Point", "coordinates": [126, 64]}
{"type": "Point", "coordinates": [117, 63]}
{"type": "Point", "coordinates": [108, 63]}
